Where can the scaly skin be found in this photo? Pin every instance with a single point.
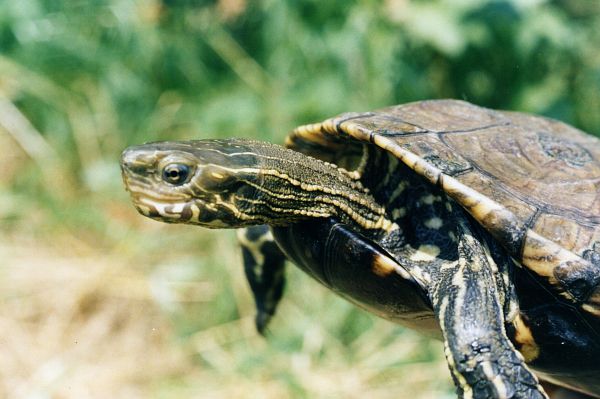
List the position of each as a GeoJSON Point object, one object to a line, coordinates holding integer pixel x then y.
{"type": "Point", "coordinates": [241, 183]}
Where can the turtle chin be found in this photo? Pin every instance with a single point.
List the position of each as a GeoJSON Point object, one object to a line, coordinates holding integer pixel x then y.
{"type": "Point", "coordinates": [207, 215]}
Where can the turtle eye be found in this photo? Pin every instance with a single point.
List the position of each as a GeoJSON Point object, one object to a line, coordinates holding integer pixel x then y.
{"type": "Point", "coordinates": [176, 173]}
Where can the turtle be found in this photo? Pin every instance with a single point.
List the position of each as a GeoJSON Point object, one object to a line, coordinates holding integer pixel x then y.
{"type": "Point", "coordinates": [474, 226]}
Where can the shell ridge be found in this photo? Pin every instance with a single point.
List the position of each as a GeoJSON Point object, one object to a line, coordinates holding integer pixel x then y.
{"type": "Point", "coordinates": [506, 227]}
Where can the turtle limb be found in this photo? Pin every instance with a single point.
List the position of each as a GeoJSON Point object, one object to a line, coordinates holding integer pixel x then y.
{"type": "Point", "coordinates": [483, 361]}
{"type": "Point", "coordinates": [264, 267]}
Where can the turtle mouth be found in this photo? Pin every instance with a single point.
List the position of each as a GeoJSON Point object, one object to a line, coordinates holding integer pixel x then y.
{"type": "Point", "coordinates": [158, 210]}
{"type": "Point", "coordinates": [195, 212]}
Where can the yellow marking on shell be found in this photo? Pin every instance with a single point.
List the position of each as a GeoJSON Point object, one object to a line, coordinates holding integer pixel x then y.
{"type": "Point", "coordinates": [487, 212]}
{"type": "Point", "coordinates": [426, 170]}
{"type": "Point", "coordinates": [383, 266]}
{"type": "Point", "coordinates": [434, 223]}
{"type": "Point", "coordinates": [354, 130]}
{"type": "Point", "coordinates": [311, 132]}
{"type": "Point", "coordinates": [425, 253]}
{"type": "Point", "coordinates": [524, 337]}
{"type": "Point", "coordinates": [329, 125]}
{"type": "Point", "coordinates": [480, 206]}
{"type": "Point", "coordinates": [492, 215]}
{"type": "Point", "coordinates": [543, 256]}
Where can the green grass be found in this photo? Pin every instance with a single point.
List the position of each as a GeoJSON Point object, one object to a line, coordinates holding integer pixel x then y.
{"type": "Point", "coordinates": [79, 81]}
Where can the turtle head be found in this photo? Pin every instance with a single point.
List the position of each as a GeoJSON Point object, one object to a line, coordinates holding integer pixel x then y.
{"type": "Point", "coordinates": [236, 183]}
{"type": "Point", "coordinates": [206, 182]}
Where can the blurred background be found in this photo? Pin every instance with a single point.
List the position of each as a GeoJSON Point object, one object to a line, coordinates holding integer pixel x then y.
{"type": "Point", "coordinates": [97, 302]}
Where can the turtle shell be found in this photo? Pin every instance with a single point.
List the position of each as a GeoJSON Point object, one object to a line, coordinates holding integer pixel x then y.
{"type": "Point", "coordinates": [532, 182]}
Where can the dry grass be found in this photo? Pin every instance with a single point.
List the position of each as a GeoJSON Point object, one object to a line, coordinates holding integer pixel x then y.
{"type": "Point", "coordinates": [78, 326]}
{"type": "Point", "coordinates": [77, 321]}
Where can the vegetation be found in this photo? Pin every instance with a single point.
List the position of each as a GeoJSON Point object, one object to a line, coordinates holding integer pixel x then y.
{"type": "Point", "coordinates": [97, 302]}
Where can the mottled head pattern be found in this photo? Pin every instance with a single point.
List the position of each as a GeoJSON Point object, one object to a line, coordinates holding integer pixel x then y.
{"type": "Point", "coordinates": [195, 182]}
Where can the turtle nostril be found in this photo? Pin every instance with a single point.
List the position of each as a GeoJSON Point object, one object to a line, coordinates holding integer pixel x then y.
{"type": "Point", "coordinates": [132, 162]}
{"type": "Point", "coordinates": [139, 170]}
{"type": "Point", "coordinates": [128, 158]}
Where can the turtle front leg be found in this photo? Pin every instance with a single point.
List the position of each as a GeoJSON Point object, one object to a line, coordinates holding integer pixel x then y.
{"type": "Point", "coordinates": [264, 265]}
{"type": "Point", "coordinates": [482, 359]}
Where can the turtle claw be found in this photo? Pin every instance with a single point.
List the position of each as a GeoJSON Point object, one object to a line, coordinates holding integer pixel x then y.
{"type": "Point", "coordinates": [261, 321]}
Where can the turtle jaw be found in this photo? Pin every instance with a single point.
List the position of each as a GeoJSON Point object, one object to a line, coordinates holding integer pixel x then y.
{"type": "Point", "coordinates": [185, 210]}
{"type": "Point", "coordinates": [191, 212]}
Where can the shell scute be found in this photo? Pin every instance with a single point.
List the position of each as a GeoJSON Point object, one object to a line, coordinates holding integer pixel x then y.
{"type": "Point", "coordinates": [435, 152]}
{"type": "Point", "coordinates": [568, 233]}
{"type": "Point", "coordinates": [388, 125]}
{"type": "Point", "coordinates": [533, 182]}
{"type": "Point", "coordinates": [445, 115]}
{"type": "Point", "coordinates": [488, 187]}
{"type": "Point", "coordinates": [520, 160]}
